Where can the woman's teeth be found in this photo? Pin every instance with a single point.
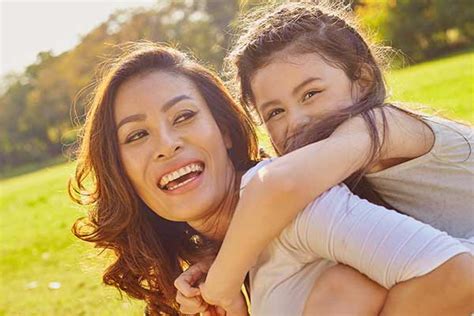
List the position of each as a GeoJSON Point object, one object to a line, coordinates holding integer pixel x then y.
{"type": "Point", "coordinates": [170, 188]}
{"type": "Point", "coordinates": [174, 175]}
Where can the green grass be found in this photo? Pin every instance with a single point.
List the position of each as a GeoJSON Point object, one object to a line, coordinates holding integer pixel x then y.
{"type": "Point", "coordinates": [36, 215]}
{"type": "Point", "coordinates": [445, 85]}
{"type": "Point", "coordinates": [37, 247]}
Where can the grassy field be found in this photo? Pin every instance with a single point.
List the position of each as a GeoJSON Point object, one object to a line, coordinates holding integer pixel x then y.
{"type": "Point", "coordinates": [445, 85]}
{"type": "Point", "coordinates": [45, 271]}
{"type": "Point", "coordinates": [38, 249]}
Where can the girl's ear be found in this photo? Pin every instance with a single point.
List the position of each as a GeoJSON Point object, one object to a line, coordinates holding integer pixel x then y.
{"type": "Point", "coordinates": [363, 82]}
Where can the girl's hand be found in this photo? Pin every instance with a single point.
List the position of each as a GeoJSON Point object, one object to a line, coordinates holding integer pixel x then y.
{"type": "Point", "coordinates": [233, 306]}
{"type": "Point", "coordinates": [222, 288]}
{"type": "Point", "coordinates": [189, 296]}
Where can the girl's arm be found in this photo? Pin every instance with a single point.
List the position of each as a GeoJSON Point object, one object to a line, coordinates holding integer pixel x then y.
{"type": "Point", "coordinates": [283, 188]}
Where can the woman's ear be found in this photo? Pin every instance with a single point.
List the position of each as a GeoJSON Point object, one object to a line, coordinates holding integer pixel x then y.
{"type": "Point", "coordinates": [227, 139]}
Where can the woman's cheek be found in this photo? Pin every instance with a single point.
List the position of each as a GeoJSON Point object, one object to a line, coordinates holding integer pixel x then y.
{"type": "Point", "coordinates": [132, 159]}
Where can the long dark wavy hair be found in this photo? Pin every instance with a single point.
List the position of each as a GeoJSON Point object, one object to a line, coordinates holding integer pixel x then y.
{"type": "Point", "coordinates": [150, 252]}
{"type": "Point", "coordinates": [327, 30]}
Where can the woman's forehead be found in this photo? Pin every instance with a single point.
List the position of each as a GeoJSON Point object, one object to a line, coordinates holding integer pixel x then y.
{"type": "Point", "coordinates": [158, 89]}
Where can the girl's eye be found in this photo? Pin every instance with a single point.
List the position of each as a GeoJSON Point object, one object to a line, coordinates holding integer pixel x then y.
{"type": "Point", "coordinates": [274, 113]}
{"type": "Point", "coordinates": [184, 116]}
{"type": "Point", "coordinates": [309, 95]}
{"type": "Point", "coordinates": [136, 136]}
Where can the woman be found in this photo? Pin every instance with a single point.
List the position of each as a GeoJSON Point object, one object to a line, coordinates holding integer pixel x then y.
{"type": "Point", "coordinates": [148, 262]}
{"type": "Point", "coordinates": [166, 148]}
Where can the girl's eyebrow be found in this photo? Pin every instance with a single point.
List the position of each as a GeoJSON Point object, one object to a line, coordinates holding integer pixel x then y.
{"type": "Point", "coordinates": [305, 82]}
{"type": "Point", "coordinates": [295, 91]}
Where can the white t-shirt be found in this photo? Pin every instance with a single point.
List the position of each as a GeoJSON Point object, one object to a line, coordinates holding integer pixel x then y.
{"type": "Point", "coordinates": [438, 187]}
{"type": "Point", "coordinates": [338, 226]}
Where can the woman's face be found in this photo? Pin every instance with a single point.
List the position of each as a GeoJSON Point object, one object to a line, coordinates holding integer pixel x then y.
{"type": "Point", "coordinates": [293, 90]}
{"type": "Point", "coordinates": [171, 147]}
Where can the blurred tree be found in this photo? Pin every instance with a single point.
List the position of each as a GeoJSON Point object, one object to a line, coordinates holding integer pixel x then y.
{"type": "Point", "coordinates": [425, 29]}
{"type": "Point", "coordinates": [35, 106]}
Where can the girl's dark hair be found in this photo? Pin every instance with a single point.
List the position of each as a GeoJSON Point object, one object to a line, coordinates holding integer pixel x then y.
{"type": "Point", "coordinates": [150, 251]}
{"type": "Point", "coordinates": [326, 30]}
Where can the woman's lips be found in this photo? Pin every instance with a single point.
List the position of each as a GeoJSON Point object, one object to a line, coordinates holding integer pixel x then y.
{"type": "Point", "coordinates": [186, 185]}
{"type": "Point", "coordinates": [183, 177]}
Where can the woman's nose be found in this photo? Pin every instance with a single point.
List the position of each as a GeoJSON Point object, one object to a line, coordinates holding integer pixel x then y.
{"type": "Point", "coordinates": [168, 144]}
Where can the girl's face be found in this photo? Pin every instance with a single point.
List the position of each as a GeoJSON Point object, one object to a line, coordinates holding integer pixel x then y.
{"type": "Point", "coordinates": [171, 147]}
{"type": "Point", "coordinates": [293, 90]}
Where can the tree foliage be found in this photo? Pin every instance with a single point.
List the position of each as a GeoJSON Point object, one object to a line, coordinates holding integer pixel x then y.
{"type": "Point", "coordinates": [421, 29]}
{"type": "Point", "coordinates": [35, 106]}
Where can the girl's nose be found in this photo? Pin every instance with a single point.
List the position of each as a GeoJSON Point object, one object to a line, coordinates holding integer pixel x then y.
{"type": "Point", "coordinates": [298, 119]}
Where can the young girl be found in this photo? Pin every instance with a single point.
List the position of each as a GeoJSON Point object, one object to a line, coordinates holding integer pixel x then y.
{"type": "Point", "coordinates": [315, 83]}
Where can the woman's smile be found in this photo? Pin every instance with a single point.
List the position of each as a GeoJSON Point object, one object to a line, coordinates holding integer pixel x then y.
{"type": "Point", "coordinates": [182, 179]}
{"type": "Point", "coordinates": [171, 146]}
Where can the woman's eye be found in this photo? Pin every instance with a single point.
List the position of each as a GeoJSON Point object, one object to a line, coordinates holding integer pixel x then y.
{"type": "Point", "coordinates": [136, 136]}
{"type": "Point", "coordinates": [274, 113]}
{"type": "Point", "coordinates": [309, 94]}
{"type": "Point", "coordinates": [184, 116]}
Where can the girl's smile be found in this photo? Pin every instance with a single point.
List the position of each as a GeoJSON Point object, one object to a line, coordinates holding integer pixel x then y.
{"type": "Point", "coordinates": [294, 89]}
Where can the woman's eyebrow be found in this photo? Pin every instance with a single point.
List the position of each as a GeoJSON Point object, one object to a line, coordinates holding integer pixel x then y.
{"type": "Point", "coordinates": [169, 104]}
{"type": "Point", "coordinates": [131, 118]}
{"type": "Point", "coordinates": [141, 117]}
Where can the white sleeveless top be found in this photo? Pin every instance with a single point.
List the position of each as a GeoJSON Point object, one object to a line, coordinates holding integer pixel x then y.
{"type": "Point", "coordinates": [438, 187]}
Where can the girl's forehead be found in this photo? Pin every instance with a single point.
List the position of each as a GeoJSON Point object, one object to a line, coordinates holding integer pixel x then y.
{"type": "Point", "coordinates": [290, 67]}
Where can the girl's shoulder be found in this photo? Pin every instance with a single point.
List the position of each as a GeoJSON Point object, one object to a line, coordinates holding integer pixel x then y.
{"type": "Point", "coordinates": [448, 128]}
{"type": "Point", "coordinates": [451, 138]}
{"type": "Point", "coordinates": [249, 174]}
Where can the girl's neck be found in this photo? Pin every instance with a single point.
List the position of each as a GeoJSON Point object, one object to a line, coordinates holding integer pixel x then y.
{"type": "Point", "coordinates": [215, 225]}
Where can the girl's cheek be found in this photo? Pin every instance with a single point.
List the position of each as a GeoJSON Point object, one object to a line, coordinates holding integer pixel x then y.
{"type": "Point", "coordinates": [277, 135]}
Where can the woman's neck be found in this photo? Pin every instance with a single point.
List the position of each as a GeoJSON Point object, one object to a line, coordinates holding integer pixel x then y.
{"type": "Point", "coordinates": [215, 225]}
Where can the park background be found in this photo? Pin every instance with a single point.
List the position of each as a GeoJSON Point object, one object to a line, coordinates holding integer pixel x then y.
{"type": "Point", "coordinates": [44, 269]}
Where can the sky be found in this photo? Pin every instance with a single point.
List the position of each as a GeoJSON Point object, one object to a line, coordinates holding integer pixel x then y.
{"type": "Point", "coordinates": [29, 27]}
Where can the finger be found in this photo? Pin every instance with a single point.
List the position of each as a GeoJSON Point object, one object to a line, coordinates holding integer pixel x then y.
{"type": "Point", "coordinates": [210, 311]}
{"type": "Point", "coordinates": [220, 311]}
{"type": "Point", "coordinates": [185, 281]}
{"type": "Point", "coordinates": [191, 275]}
{"type": "Point", "coordinates": [190, 305]}
{"type": "Point", "coordinates": [190, 309]}
{"type": "Point", "coordinates": [207, 312]}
